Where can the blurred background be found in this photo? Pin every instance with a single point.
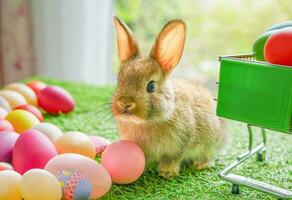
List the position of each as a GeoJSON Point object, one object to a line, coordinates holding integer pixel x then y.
{"type": "Point", "coordinates": [74, 39]}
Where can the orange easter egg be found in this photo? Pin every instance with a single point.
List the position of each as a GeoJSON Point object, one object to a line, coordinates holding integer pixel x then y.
{"type": "Point", "coordinates": [75, 142]}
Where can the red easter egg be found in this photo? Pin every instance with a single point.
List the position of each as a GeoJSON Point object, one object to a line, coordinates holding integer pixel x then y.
{"type": "Point", "coordinates": [278, 48]}
{"type": "Point", "coordinates": [32, 150]}
{"type": "Point", "coordinates": [55, 100]}
{"type": "Point", "coordinates": [3, 113]}
{"type": "Point", "coordinates": [36, 86]}
{"type": "Point", "coordinates": [5, 125]}
{"type": "Point", "coordinates": [7, 142]}
{"type": "Point", "coordinates": [32, 109]}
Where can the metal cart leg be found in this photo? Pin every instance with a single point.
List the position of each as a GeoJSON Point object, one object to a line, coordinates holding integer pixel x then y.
{"type": "Point", "coordinates": [235, 189]}
{"type": "Point", "coordinates": [261, 155]}
{"type": "Point", "coordinates": [238, 180]}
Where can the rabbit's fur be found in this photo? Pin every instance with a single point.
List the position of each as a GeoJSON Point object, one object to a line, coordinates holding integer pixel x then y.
{"type": "Point", "coordinates": [174, 123]}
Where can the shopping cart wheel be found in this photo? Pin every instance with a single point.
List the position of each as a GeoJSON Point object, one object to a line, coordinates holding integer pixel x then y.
{"type": "Point", "coordinates": [235, 189]}
{"type": "Point", "coordinates": [261, 156]}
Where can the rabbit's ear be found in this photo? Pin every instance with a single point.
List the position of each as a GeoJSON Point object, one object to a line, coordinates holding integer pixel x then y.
{"type": "Point", "coordinates": [127, 46]}
{"type": "Point", "coordinates": [169, 45]}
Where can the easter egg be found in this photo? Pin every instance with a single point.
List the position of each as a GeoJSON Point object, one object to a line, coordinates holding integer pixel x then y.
{"type": "Point", "coordinates": [14, 98]}
{"type": "Point", "coordinates": [278, 48]}
{"type": "Point", "coordinates": [3, 113]}
{"type": "Point", "coordinates": [100, 143]}
{"type": "Point", "coordinates": [22, 120]}
{"type": "Point", "coordinates": [25, 91]}
{"type": "Point", "coordinates": [7, 141]}
{"type": "Point", "coordinates": [9, 185]}
{"type": "Point", "coordinates": [55, 100]}
{"type": "Point", "coordinates": [5, 166]}
{"type": "Point", "coordinates": [5, 125]}
{"type": "Point", "coordinates": [259, 45]}
{"type": "Point", "coordinates": [98, 176]}
{"type": "Point", "coordinates": [75, 185]}
{"type": "Point", "coordinates": [4, 104]}
{"type": "Point", "coordinates": [49, 130]}
{"type": "Point", "coordinates": [75, 142]}
{"type": "Point", "coordinates": [38, 184]}
{"type": "Point", "coordinates": [280, 26]}
{"type": "Point", "coordinates": [32, 109]}
{"type": "Point", "coordinates": [36, 86]}
{"type": "Point", "coordinates": [124, 160]}
{"type": "Point", "coordinates": [32, 150]}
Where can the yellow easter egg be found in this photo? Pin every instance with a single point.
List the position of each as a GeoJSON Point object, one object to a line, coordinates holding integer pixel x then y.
{"type": "Point", "coordinates": [14, 98]}
{"type": "Point", "coordinates": [39, 184]}
{"type": "Point", "coordinates": [9, 185]}
{"type": "Point", "coordinates": [25, 91]}
{"type": "Point", "coordinates": [75, 142]}
{"type": "Point", "coordinates": [22, 120]}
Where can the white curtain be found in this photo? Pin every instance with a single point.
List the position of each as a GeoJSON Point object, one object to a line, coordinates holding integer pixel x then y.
{"type": "Point", "coordinates": [73, 39]}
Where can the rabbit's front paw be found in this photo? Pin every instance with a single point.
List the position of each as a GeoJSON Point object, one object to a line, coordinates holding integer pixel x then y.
{"type": "Point", "coordinates": [169, 170]}
{"type": "Point", "coordinates": [168, 173]}
{"type": "Point", "coordinates": [203, 165]}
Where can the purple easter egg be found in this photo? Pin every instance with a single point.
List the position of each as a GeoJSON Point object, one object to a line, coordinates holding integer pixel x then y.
{"type": "Point", "coordinates": [100, 143]}
{"type": "Point", "coordinates": [7, 141]}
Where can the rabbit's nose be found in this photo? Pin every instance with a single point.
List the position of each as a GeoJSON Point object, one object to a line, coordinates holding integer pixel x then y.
{"type": "Point", "coordinates": [130, 107]}
{"type": "Point", "coordinates": [126, 107]}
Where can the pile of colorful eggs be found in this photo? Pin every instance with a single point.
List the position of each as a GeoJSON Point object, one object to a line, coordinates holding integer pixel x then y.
{"type": "Point", "coordinates": [275, 45]}
{"type": "Point", "coordinates": [38, 161]}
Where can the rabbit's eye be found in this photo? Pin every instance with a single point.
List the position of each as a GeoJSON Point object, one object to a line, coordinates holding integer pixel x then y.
{"type": "Point", "coordinates": [151, 86]}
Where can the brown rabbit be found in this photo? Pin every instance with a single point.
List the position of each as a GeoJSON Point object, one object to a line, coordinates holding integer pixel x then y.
{"type": "Point", "coordinates": [172, 121]}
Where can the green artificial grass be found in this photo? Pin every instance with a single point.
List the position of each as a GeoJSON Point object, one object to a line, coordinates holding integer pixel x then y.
{"type": "Point", "coordinates": [92, 116]}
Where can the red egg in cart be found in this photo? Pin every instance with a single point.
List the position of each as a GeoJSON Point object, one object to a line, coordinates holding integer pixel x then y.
{"type": "Point", "coordinates": [55, 100]}
{"type": "Point", "coordinates": [278, 48]}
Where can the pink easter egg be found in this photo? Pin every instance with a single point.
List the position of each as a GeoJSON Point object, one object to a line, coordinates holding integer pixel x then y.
{"type": "Point", "coordinates": [7, 142]}
{"type": "Point", "coordinates": [96, 173]}
{"type": "Point", "coordinates": [5, 166]}
{"type": "Point", "coordinates": [100, 143]}
{"type": "Point", "coordinates": [3, 113]}
{"type": "Point", "coordinates": [32, 150]}
{"type": "Point", "coordinates": [55, 100]}
{"type": "Point", "coordinates": [124, 160]}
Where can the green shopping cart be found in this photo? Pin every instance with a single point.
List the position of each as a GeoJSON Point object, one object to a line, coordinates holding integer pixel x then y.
{"type": "Point", "coordinates": [258, 94]}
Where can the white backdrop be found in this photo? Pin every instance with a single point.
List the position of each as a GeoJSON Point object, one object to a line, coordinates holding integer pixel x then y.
{"type": "Point", "coordinates": [73, 39]}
